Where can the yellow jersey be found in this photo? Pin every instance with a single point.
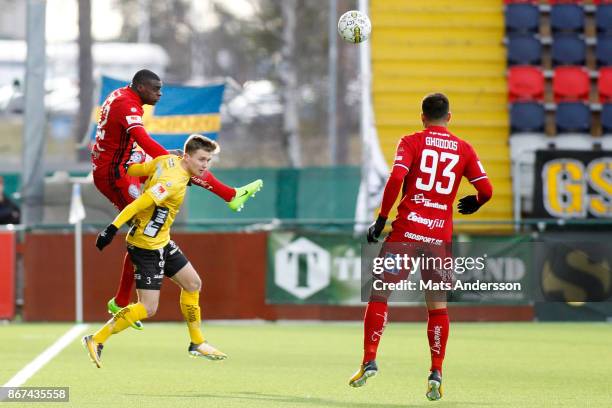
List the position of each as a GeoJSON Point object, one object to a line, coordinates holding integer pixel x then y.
{"type": "Point", "coordinates": [166, 185]}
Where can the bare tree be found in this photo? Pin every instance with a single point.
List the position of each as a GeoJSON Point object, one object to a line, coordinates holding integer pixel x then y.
{"type": "Point", "coordinates": [288, 75]}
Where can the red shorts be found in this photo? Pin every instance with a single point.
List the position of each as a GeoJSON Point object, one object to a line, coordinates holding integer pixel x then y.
{"type": "Point", "coordinates": [120, 192]}
{"type": "Point", "coordinates": [433, 261]}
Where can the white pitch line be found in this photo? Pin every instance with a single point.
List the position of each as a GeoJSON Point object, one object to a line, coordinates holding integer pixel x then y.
{"type": "Point", "coordinates": [43, 358]}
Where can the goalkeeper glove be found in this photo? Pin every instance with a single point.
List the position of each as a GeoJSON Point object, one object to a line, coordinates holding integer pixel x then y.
{"type": "Point", "coordinates": [468, 205]}
{"type": "Point", "coordinates": [376, 228]}
{"type": "Point", "coordinates": [106, 236]}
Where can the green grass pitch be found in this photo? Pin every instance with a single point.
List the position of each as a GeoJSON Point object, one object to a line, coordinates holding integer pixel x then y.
{"type": "Point", "coordinates": [308, 365]}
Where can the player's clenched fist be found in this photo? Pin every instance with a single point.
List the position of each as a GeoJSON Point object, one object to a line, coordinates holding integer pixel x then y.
{"type": "Point", "coordinates": [376, 229]}
{"type": "Point", "coordinates": [106, 236]}
{"type": "Point", "coordinates": [468, 205]}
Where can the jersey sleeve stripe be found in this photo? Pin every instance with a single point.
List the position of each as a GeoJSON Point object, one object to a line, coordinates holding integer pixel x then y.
{"type": "Point", "coordinates": [133, 126]}
{"type": "Point", "coordinates": [401, 165]}
{"type": "Point", "coordinates": [478, 178]}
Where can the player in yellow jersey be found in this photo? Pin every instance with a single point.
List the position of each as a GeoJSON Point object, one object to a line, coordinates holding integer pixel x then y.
{"type": "Point", "coordinates": [151, 250]}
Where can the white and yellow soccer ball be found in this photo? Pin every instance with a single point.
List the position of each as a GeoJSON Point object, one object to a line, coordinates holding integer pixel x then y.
{"type": "Point", "coordinates": [354, 26]}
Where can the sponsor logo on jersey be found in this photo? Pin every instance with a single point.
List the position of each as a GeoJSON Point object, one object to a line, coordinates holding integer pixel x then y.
{"type": "Point", "coordinates": [421, 238]}
{"type": "Point", "coordinates": [429, 222]}
{"type": "Point", "coordinates": [480, 167]}
{"type": "Point", "coordinates": [133, 110]}
{"type": "Point", "coordinates": [133, 119]}
{"type": "Point", "coordinates": [437, 343]}
{"type": "Point", "coordinates": [431, 132]}
{"type": "Point", "coordinates": [399, 158]}
{"type": "Point", "coordinates": [159, 192]}
{"type": "Point", "coordinates": [137, 157]}
{"type": "Point", "coordinates": [134, 191]}
{"type": "Point", "coordinates": [420, 199]}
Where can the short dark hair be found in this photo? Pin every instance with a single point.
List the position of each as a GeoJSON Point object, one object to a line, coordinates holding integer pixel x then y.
{"type": "Point", "coordinates": [143, 76]}
{"type": "Point", "coordinates": [435, 106]}
{"type": "Point", "coordinates": [196, 142]}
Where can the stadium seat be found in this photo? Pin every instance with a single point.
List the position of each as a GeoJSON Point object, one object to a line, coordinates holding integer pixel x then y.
{"type": "Point", "coordinates": [522, 18]}
{"type": "Point", "coordinates": [553, 2]}
{"type": "Point", "coordinates": [573, 117]}
{"type": "Point", "coordinates": [524, 49]}
{"type": "Point", "coordinates": [527, 117]}
{"type": "Point", "coordinates": [606, 118]}
{"type": "Point", "coordinates": [606, 142]}
{"type": "Point", "coordinates": [574, 142]}
{"type": "Point", "coordinates": [603, 50]}
{"type": "Point", "coordinates": [603, 18]}
{"type": "Point", "coordinates": [525, 83]}
{"type": "Point", "coordinates": [568, 49]}
{"type": "Point", "coordinates": [524, 145]}
{"type": "Point", "coordinates": [571, 84]}
{"type": "Point", "coordinates": [604, 85]}
{"type": "Point", "coordinates": [567, 17]}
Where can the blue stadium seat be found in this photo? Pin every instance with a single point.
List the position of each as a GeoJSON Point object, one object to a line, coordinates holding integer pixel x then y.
{"type": "Point", "coordinates": [606, 118]}
{"type": "Point", "coordinates": [603, 18]}
{"type": "Point", "coordinates": [603, 51]}
{"type": "Point", "coordinates": [573, 117]}
{"type": "Point", "coordinates": [522, 18]}
{"type": "Point", "coordinates": [527, 117]}
{"type": "Point", "coordinates": [567, 17]}
{"type": "Point", "coordinates": [524, 49]}
{"type": "Point", "coordinates": [568, 49]}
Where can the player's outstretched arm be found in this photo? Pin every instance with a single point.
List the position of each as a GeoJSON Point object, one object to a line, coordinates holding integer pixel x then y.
{"type": "Point", "coordinates": [209, 182]}
{"type": "Point", "coordinates": [150, 146]}
{"type": "Point", "coordinates": [106, 237]}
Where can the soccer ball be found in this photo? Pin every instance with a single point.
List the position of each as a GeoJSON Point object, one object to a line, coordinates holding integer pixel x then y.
{"type": "Point", "coordinates": [354, 26]}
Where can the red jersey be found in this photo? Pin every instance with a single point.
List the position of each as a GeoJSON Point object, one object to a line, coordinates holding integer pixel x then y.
{"type": "Point", "coordinates": [119, 127]}
{"type": "Point", "coordinates": [430, 164]}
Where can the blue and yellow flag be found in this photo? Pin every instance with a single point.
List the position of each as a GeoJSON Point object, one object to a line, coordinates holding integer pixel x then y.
{"type": "Point", "coordinates": [181, 111]}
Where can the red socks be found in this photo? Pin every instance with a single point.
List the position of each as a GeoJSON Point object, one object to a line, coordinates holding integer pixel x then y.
{"type": "Point", "coordinates": [375, 321]}
{"type": "Point", "coordinates": [122, 297]}
{"type": "Point", "coordinates": [374, 324]}
{"type": "Point", "coordinates": [437, 334]}
{"type": "Point", "coordinates": [210, 182]}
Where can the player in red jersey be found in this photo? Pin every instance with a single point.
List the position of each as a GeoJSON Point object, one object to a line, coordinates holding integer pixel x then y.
{"type": "Point", "coordinates": [428, 165]}
{"type": "Point", "coordinates": [120, 127]}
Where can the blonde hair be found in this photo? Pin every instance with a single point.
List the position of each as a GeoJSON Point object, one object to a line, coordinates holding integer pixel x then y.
{"type": "Point", "coordinates": [197, 141]}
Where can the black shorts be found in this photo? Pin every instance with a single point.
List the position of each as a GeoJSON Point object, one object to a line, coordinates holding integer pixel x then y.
{"type": "Point", "coordinates": [150, 265]}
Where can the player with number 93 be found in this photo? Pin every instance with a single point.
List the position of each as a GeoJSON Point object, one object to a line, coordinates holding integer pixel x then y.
{"type": "Point", "coordinates": [428, 168]}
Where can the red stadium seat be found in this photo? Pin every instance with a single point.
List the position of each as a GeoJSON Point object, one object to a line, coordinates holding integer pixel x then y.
{"type": "Point", "coordinates": [604, 85]}
{"type": "Point", "coordinates": [525, 83]}
{"type": "Point", "coordinates": [571, 84]}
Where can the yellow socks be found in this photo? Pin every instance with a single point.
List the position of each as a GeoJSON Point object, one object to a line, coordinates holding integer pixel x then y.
{"type": "Point", "coordinates": [190, 307]}
{"type": "Point", "coordinates": [121, 321]}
